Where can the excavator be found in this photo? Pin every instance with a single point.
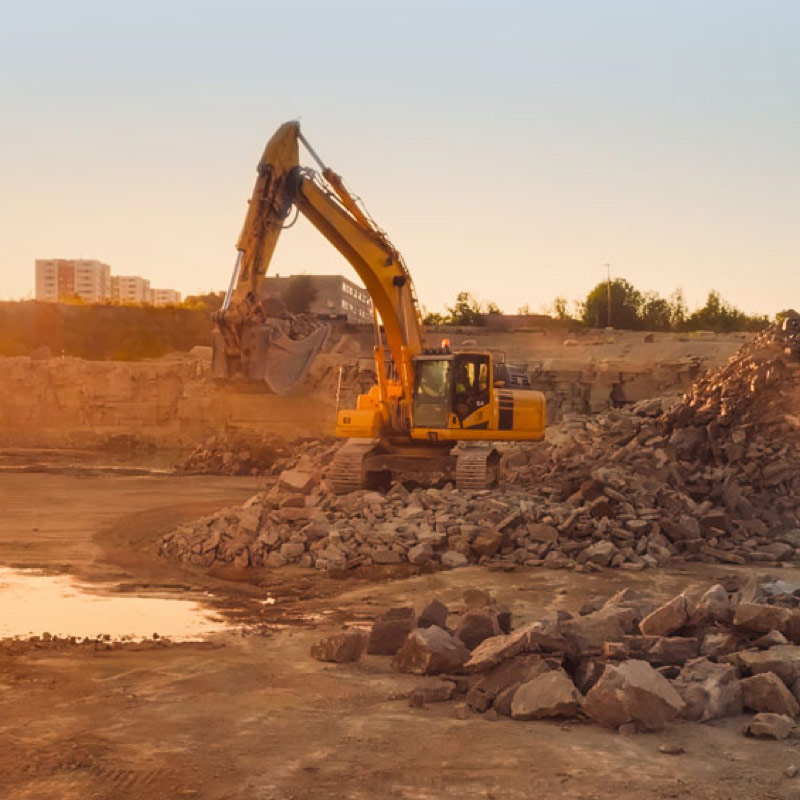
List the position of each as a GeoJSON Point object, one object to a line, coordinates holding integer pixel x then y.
{"type": "Point", "coordinates": [432, 409]}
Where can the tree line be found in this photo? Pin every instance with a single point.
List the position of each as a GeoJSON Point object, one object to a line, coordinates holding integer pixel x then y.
{"type": "Point", "coordinates": [630, 309]}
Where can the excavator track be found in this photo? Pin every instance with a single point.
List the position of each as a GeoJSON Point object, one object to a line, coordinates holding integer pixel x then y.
{"type": "Point", "coordinates": [476, 467]}
{"type": "Point", "coordinates": [347, 473]}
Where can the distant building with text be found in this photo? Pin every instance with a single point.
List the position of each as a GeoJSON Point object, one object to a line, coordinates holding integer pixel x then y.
{"type": "Point", "coordinates": [63, 279]}
{"type": "Point", "coordinates": [335, 296]}
{"type": "Point", "coordinates": [164, 297]}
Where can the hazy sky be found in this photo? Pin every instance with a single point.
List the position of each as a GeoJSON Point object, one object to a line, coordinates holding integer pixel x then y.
{"type": "Point", "coordinates": [508, 148]}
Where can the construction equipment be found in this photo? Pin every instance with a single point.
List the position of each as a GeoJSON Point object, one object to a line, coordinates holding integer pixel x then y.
{"type": "Point", "coordinates": [430, 410]}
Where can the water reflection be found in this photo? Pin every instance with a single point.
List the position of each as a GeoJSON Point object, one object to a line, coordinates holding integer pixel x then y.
{"type": "Point", "coordinates": [32, 604]}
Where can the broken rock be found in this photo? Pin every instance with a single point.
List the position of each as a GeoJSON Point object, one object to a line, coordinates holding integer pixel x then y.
{"type": "Point", "coordinates": [710, 691]}
{"type": "Point", "coordinates": [341, 647]}
{"type": "Point", "coordinates": [476, 626]}
{"type": "Point", "coordinates": [769, 726]}
{"type": "Point", "coordinates": [431, 651]}
{"type": "Point", "coordinates": [434, 613]}
{"type": "Point", "coordinates": [295, 480]}
{"type": "Point", "coordinates": [390, 630]}
{"type": "Point", "coordinates": [667, 619]}
{"type": "Point", "coordinates": [551, 694]}
{"type": "Point", "coordinates": [633, 692]}
{"type": "Point", "coordinates": [433, 691]}
{"type": "Point", "coordinates": [767, 692]}
{"type": "Point", "coordinates": [760, 618]}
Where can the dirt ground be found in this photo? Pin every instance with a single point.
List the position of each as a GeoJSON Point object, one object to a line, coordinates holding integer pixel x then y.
{"type": "Point", "coordinates": [249, 716]}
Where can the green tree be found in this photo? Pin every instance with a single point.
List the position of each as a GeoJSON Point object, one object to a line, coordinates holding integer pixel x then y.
{"type": "Point", "coordinates": [678, 310]}
{"type": "Point", "coordinates": [299, 294]}
{"type": "Point", "coordinates": [626, 305]}
{"type": "Point", "coordinates": [433, 318]}
{"type": "Point", "coordinates": [655, 313]}
{"type": "Point", "coordinates": [559, 309]}
{"type": "Point", "coordinates": [492, 308]}
{"type": "Point", "coordinates": [466, 311]}
{"type": "Point", "coordinates": [719, 315]}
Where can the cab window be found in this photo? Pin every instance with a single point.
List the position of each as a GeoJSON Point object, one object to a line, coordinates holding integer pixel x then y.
{"type": "Point", "coordinates": [471, 389]}
{"type": "Point", "coordinates": [431, 393]}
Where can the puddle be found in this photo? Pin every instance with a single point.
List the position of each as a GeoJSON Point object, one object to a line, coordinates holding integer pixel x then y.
{"type": "Point", "coordinates": [32, 604]}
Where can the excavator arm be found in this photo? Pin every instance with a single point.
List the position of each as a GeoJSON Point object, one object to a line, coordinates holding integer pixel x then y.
{"type": "Point", "coordinates": [282, 184]}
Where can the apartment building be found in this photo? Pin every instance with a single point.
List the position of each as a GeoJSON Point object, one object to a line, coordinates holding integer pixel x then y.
{"type": "Point", "coordinates": [60, 279]}
{"type": "Point", "coordinates": [130, 289]}
{"type": "Point", "coordinates": [63, 278]}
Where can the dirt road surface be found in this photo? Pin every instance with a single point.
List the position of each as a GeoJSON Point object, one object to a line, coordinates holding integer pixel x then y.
{"type": "Point", "coordinates": [248, 715]}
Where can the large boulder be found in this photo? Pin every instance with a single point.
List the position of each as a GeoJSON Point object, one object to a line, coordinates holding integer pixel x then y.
{"type": "Point", "coordinates": [761, 618]}
{"type": "Point", "coordinates": [668, 618]}
{"type": "Point", "coordinates": [390, 630]}
{"type": "Point", "coordinates": [710, 691]}
{"type": "Point", "coordinates": [767, 692]}
{"type": "Point", "coordinates": [431, 651]}
{"type": "Point", "coordinates": [600, 553]}
{"type": "Point", "coordinates": [509, 674]}
{"type": "Point", "coordinates": [540, 636]}
{"type": "Point", "coordinates": [672, 651]}
{"type": "Point", "coordinates": [434, 613]}
{"type": "Point", "coordinates": [588, 633]}
{"type": "Point", "coordinates": [295, 480]}
{"type": "Point", "coordinates": [420, 554]}
{"type": "Point", "coordinates": [633, 692]}
{"type": "Point", "coordinates": [551, 694]}
{"type": "Point", "coordinates": [783, 660]}
{"type": "Point", "coordinates": [476, 626]}
{"type": "Point", "coordinates": [341, 647]}
{"type": "Point", "coordinates": [769, 726]}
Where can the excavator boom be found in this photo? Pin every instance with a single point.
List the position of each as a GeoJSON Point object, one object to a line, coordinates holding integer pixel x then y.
{"type": "Point", "coordinates": [247, 338]}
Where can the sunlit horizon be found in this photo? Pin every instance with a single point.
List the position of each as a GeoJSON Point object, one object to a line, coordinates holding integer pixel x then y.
{"type": "Point", "coordinates": [509, 149]}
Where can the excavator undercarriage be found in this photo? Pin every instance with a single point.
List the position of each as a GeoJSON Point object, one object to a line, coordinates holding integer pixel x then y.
{"type": "Point", "coordinates": [371, 464]}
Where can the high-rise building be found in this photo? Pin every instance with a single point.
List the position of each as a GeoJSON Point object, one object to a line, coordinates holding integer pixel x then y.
{"type": "Point", "coordinates": [63, 278]}
{"type": "Point", "coordinates": [59, 279]}
{"type": "Point", "coordinates": [130, 289]}
{"type": "Point", "coordinates": [164, 297]}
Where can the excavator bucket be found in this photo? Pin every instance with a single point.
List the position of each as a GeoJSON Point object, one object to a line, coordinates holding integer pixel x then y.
{"type": "Point", "coordinates": [268, 356]}
{"type": "Point", "coordinates": [280, 362]}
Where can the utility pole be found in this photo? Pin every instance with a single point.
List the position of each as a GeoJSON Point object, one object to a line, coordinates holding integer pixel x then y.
{"type": "Point", "coordinates": [608, 269]}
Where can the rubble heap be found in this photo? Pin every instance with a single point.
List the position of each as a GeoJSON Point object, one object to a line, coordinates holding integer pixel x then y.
{"type": "Point", "coordinates": [713, 478]}
{"type": "Point", "coordinates": [247, 453]}
{"type": "Point", "coordinates": [623, 662]}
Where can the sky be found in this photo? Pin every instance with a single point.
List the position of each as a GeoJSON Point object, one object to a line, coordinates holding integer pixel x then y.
{"type": "Point", "coordinates": [510, 148]}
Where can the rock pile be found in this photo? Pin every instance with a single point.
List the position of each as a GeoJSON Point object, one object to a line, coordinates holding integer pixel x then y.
{"type": "Point", "coordinates": [622, 662]}
{"type": "Point", "coordinates": [714, 478]}
{"type": "Point", "coordinates": [248, 453]}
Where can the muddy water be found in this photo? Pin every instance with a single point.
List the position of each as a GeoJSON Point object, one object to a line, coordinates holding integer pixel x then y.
{"type": "Point", "coordinates": [32, 603]}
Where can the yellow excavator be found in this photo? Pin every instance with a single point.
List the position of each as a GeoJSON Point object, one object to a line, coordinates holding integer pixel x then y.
{"type": "Point", "coordinates": [432, 409]}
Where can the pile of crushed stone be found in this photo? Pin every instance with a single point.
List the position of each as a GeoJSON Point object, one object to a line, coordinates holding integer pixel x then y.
{"type": "Point", "coordinates": [713, 478]}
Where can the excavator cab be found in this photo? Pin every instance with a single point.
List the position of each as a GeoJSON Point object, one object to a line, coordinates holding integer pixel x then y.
{"type": "Point", "coordinates": [457, 399]}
